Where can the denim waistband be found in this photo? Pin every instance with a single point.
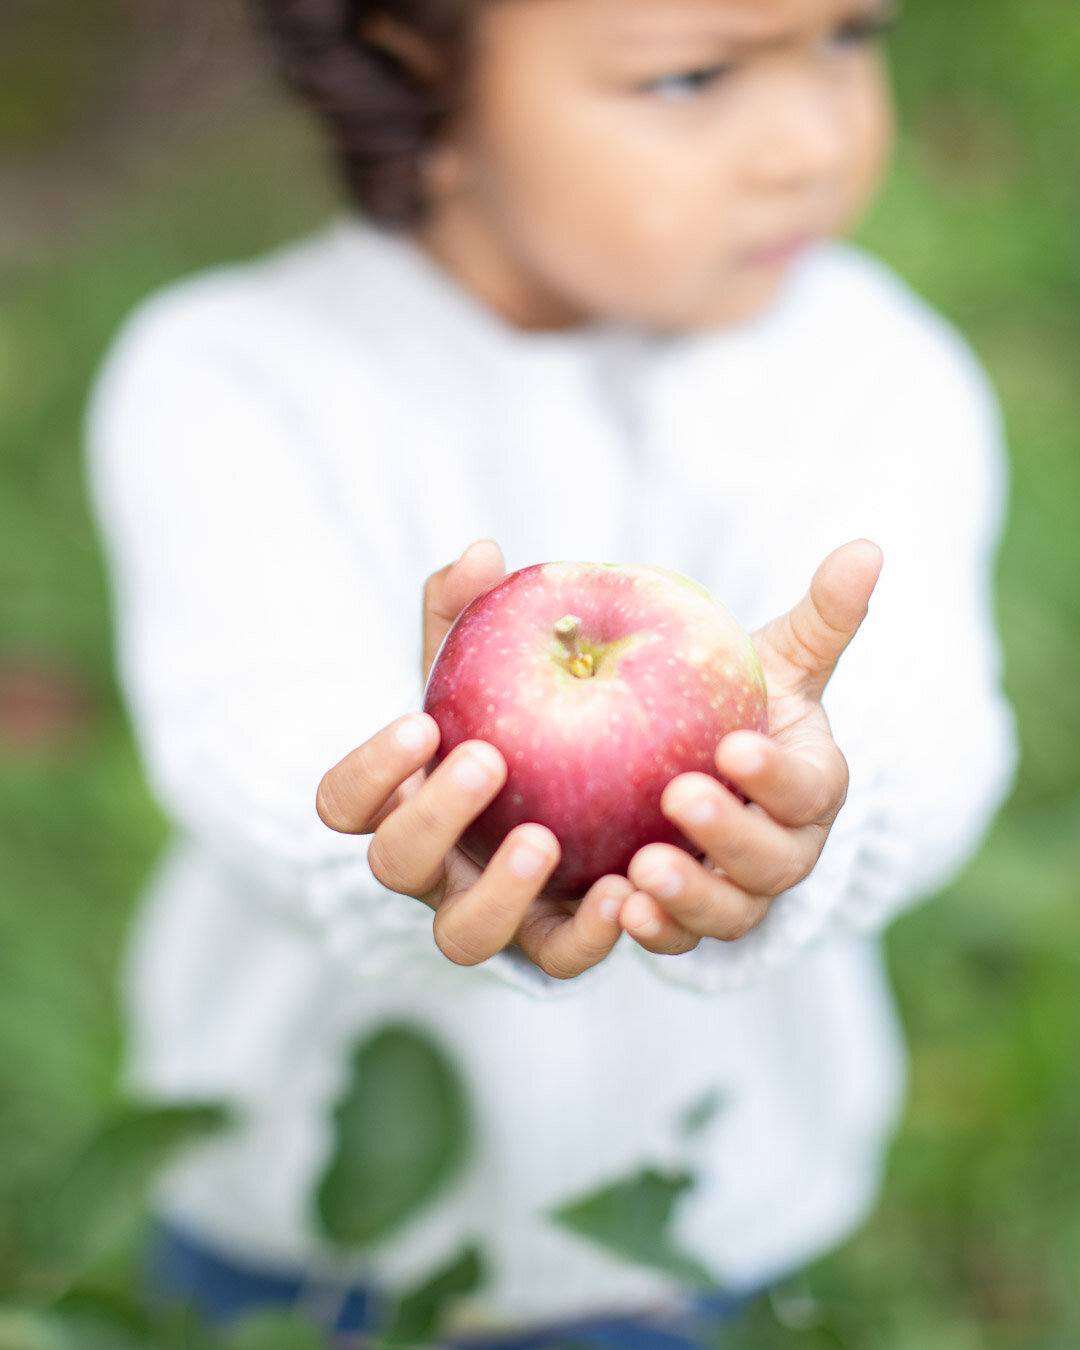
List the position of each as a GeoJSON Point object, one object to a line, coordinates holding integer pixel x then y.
{"type": "Point", "coordinates": [182, 1267]}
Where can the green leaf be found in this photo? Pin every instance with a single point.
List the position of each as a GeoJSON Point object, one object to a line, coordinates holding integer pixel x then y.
{"type": "Point", "coordinates": [76, 1328]}
{"type": "Point", "coordinates": [419, 1314]}
{"type": "Point", "coordinates": [26, 1329]}
{"type": "Point", "coordinates": [100, 1200]}
{"type": "Point", "coordinates": [275, 1331]}
{"type": "Point", "coordinates": [400, 1132]}
{"type": "Point", "coordinates": [632, 1218]}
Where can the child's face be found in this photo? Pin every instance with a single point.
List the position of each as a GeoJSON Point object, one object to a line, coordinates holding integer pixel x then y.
{"type": "Point", "coordinates": [656, 161]}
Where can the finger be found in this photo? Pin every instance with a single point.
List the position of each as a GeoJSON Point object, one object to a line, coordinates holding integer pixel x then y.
{"type": "Point", "coordinates": [409, 848]}
{"type": "Point", "coordinates": [448, 591]}
{"type": "Point", "coordinates": [475, 923]}
{"type": "Point", "coordinates": [754, 850]}
{"type": "Point", "coordinates": [652, 927]}
{"type": "Point", "coordinates": [808, 641]}
{"type": "Point", "coordinates": [564, 940]}
{"type": "Point", "coordinates": [355, 791]}
{"type": "Point", "coordinates": [704, 903]}
{"type": "Point", "coordinates": [797, 787]}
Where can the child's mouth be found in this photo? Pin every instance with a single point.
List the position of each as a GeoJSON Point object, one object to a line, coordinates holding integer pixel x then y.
{"type": "Point", "coordinates": [780, 254]}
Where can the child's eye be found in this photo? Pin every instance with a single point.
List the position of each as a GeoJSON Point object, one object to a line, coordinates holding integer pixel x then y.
{"type": "Point", "coordinates": [687, 84]}
{"type": "Point", "coordinates": [861, 32]}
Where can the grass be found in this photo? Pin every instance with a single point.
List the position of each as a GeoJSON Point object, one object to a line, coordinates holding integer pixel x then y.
{"type": "Point", "coordinates": [977, 1240]}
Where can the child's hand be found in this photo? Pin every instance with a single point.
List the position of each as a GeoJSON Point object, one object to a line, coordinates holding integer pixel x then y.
{"type": "Point", "coordinates": [416, 820]}
{"type": "Point", "coordinates": [795, 779]}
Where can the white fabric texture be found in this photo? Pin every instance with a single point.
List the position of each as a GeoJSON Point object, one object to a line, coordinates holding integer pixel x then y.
{"type": "Point", "coordinates": [279, 453]}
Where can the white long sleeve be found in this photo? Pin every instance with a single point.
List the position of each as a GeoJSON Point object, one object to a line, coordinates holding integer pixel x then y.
{"type": "Point", "coordinates": [263, 633]}
{"type": "Point", "coordinates": [916, 703]}
{"type": "Point", "coordinates": [246, 620]}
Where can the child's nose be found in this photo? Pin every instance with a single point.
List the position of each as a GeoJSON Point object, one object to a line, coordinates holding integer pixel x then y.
{"type": "Point", "coordinates": [805, 136]}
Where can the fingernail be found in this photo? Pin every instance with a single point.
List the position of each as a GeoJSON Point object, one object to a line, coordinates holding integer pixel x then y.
{"type": "Point", "coordinates": [745, 758]}
{"type": "Point", "coordinates": [638, 917]}
{"type": "Point", "coordinates": [527, 862]}
{"type": "Point", "coordinates": [665, 883]}
{"type": "Point", "coordinates": [412, 734]}
{"type": "Point", "coordinates": [693, 807]}
{"type": "Point", "coordinates": [470, 772]}
{"type": "Point", "coordinates": [477, 543]}
{"type": "Point", "coordinates": [610, 908]}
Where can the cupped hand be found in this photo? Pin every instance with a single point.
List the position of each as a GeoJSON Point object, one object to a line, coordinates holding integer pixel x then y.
{"type": "Point", "coordinates": [416, 819]}
{"type": "Point", "coordinates": [794, 780]}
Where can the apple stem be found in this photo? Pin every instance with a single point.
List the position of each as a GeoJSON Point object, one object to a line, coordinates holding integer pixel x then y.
{"type": "Point", "coordinates": [568, 630]}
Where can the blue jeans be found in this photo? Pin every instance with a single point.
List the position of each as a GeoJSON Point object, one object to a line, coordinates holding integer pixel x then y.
{"type": "Point", "coordinates": [182, 1269]}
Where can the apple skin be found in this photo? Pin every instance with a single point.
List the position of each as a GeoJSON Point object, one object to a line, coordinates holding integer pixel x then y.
{"type": "Point", "coordinates": [588, 755]}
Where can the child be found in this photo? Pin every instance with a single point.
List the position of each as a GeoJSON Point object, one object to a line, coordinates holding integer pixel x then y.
{"type": "Point", "coordinates": [595, 308]}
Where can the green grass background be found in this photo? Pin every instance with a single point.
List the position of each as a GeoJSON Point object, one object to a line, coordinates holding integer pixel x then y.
{"type": "Point", "coordinates": [130, 158]}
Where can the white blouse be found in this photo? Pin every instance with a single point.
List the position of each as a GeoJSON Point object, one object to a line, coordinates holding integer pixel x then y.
{"type": "Point", "coordinates": [279, 454]}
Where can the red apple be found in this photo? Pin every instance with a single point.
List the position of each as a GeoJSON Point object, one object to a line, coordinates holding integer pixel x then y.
{"type": "Point", "coordinates": [598, 685]}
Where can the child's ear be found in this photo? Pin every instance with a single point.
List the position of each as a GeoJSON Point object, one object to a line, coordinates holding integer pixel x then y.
{"type": "Point", "coordinates": [404, 45]}
{"type": "Point", "coordinates": [441, 165]}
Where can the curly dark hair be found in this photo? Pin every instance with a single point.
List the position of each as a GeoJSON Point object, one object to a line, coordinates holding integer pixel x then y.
{"type": "Point", "coordinates": [380, 114]}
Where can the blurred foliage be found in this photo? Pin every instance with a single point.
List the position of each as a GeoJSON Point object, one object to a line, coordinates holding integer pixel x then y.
{"type": "Point", "coordinates": [137, 144]}
{"type": "Point", "coordinates": [92, 1322]}
{"type": "Point", "coordinates": [633, 1217]}
{"type": "Point", "coordinates": [96, 1206]}
{"type": "Point", "coordinates": [54, 66]}
{"type": "Point", "coordinates": [420, 1313]}
{"type": "Point", "coordinates": [399, 1131]}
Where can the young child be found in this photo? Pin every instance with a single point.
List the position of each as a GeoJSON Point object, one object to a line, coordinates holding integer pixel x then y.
{"type": "Point", "coordinates": [592, 305]}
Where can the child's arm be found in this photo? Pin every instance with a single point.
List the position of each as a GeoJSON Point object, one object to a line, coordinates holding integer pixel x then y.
{"type": "Point", "coordinates": [916, 704]}
{"type": "Point", "coordinates": [416, 820]}
{"type": "Point", "coordinates": [796, 779]}
{"type": "Point", "coordinates": [261, 634]}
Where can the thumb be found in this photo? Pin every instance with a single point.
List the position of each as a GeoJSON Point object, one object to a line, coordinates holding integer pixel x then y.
{"type": "Point", "coordinates": [804, 645]}
{"type": "Point", "coordinates": [448, 591]}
